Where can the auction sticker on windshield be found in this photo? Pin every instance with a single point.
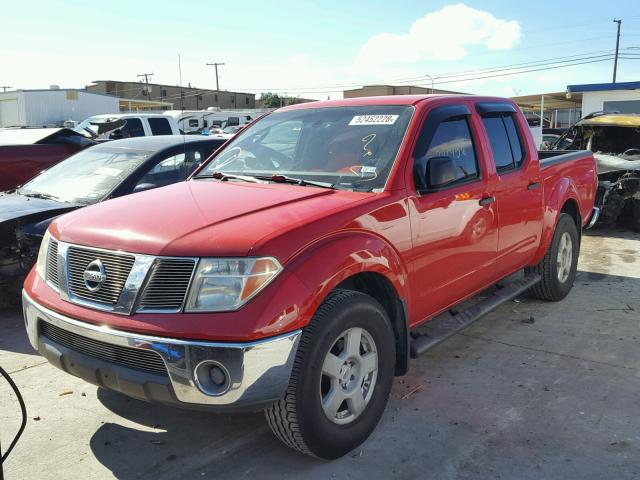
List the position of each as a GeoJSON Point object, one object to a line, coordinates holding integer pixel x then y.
{"type": "Point", "coordinates": [373, 120]}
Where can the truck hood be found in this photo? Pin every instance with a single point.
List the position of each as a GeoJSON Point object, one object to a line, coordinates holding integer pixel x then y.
{"type": "Point", "coordinates": [202, 218]}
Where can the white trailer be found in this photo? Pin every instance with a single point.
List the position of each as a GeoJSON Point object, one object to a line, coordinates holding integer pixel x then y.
{"type": "Point", "coordinates": [195, 121]}
{"type": "Point", "coordinates": [52, 108]}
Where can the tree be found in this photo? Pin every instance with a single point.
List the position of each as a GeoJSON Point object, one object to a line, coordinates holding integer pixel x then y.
{"type": "Point", "coordinates": [273, 100]}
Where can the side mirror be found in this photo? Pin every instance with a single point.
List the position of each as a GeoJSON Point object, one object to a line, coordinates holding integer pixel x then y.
{"type": "Point", "coordinates": [439, 172]}
{"type": "Point", "coordinates": [141, 187]}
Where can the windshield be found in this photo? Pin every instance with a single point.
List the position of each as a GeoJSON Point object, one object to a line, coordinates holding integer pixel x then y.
{"type": "Point", "coordinates": [348, 147]}
{"type": "Point", "coordinates": [88, 176]}
{"type": "Point", "coordinates": [95, 126]}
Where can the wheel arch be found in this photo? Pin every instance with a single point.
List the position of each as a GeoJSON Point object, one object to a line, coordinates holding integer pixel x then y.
{"type": "Point", "coordinates": [562, 199]}
{"type": "Point", "coordinates": [363, 262]}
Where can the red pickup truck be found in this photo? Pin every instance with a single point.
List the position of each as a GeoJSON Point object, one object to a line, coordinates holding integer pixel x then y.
{"type": "Point", "coordinates": [291, 272]}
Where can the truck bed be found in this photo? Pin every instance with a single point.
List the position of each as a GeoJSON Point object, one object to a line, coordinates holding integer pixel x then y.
{"type": "Point", "coordinates": [554, 157]}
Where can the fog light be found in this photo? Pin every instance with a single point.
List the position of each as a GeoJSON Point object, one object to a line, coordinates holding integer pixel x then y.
{"type": "Point", "coordinates": [212, 378]}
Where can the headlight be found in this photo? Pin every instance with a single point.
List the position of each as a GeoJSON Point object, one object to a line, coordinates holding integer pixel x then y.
{"type": "Point", "coordinates": [41, 263]}
{"type": "Point", "coordinates": [228, 283]}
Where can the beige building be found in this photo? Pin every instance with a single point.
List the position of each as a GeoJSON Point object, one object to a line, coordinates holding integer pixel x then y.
{"type": "Point", "coordinates": [380, 90]}
{"type": "Point", "coordinates": [181, 98]}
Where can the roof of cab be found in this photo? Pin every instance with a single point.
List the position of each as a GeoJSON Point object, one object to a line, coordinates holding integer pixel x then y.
{"type": "Point", "coordinates": [388, 100]}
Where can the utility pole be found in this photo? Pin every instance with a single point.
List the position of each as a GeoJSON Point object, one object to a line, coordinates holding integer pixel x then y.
{"type": "Point", "coordinates": [4, 88]}
{"type": "Point", "coordinates": [146, 81]}
{"type": "Point", "coordinates": [216, 65]}
{"type": "Point", "coordinates": [615, 62]}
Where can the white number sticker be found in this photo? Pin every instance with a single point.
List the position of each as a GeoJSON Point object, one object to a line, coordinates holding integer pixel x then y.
{"type": "Point", "coordinates": [373, 120]}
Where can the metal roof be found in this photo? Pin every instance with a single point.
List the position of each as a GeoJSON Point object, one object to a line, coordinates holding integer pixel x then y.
{"type": "Point", "coordinates": [601, 87]}
{"type": "Point", "coordinates": [552, 101]}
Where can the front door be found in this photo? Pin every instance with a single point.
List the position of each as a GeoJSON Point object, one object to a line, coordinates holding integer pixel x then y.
{"type": "Point", "coordinates": [454, 226]}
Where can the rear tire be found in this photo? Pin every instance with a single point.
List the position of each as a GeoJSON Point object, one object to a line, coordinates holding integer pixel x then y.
{"type": "Point", "coordinates": [341, 378]}
{"type": "Point", "coordinates": [559, 265]}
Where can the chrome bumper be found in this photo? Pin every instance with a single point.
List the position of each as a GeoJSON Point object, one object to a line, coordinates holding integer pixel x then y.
{"type": "Point", "coordinates": [258, 372]}
{"type": "Point", "coordinates": [595, 213]}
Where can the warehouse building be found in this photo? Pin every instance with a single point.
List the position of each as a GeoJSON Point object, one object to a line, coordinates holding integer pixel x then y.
{"type": "Point", "coordinates": [623, 97]}
{"type": "Point", "coordinates": [53, 107]}
{"type": "Point", "coordinates": [381, 90]}
{"type": "Point", "coordinates": [180, 97]}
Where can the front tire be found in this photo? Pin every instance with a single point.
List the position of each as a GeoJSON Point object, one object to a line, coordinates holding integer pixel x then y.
{"type": "Point", "coordinates": [559, 265]}
{"type": "Point", "coordinates": [341, 378]}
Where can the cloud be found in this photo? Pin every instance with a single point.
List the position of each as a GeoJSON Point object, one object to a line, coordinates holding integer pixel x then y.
{"type": "Point", "coordinates": [442, 35]}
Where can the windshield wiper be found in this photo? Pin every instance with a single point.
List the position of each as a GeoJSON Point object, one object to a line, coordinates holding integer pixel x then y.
{"type": "Point", "coordinates": [228, 176]}
{"type": "Point", "coordinates": [295, 181]}
{"type": "Point", "coordinates": [45, 196]}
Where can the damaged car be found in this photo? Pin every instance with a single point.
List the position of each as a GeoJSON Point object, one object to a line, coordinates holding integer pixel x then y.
{"type": "Point", "coordinates": [614, 139]}
{"type": "Point", "coordinates": [99, 173]}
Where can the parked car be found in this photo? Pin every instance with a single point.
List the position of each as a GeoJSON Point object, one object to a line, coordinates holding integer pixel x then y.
{"type": "Point", "coordinates": [127, 125]}
{"type": "Point", "coordinates": [290, 273]}
{"type": "Point", "coordinates": [105, 171]}
{"type": "Point", "coordinates": [25, 152]}
{"type": "Point", "coordinates": [615, 140]}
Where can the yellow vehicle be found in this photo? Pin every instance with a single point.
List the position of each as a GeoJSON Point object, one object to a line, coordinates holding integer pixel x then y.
{"type": "Point", "coordinates": [614, 139]}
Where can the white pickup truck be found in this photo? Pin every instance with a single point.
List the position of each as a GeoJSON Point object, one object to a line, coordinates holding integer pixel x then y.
{"type": "Point", "coordinates": [126, 125]}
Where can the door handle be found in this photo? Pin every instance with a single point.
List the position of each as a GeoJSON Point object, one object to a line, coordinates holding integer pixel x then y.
{"type": "Point", "coordinates": [533, 186]}
{"type": "Point", "coordinates": [487, 201]}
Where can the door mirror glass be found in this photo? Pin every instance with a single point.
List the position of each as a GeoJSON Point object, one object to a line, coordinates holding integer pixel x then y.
{"type": "Point", "coordinates": [141, 187]}
{"type": "Point", "coordinates": [440, 171]}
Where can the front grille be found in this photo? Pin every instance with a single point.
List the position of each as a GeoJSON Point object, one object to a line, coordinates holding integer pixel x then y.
{"type": "Point", "coordinates": [52, 263]}
{"type": "Point", "coordinates": [116, 266]}
{"type": "Point", "coordinates": [143, 360]}
{"type": "Point", "coordinates": [168, 284]}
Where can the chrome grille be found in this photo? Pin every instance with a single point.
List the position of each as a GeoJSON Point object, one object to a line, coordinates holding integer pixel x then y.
{"type": "Point", "coordinates": [144, 360]}
{"type": "Point", "coordinates": [168, 284]}
{"type": "Point", "coordinates": [116, 266]}
{"type": "Point", "coordinates": [52, 263]}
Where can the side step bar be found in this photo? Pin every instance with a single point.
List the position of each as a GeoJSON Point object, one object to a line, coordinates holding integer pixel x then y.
{"type": "Point", "coordinates": [441, 330]}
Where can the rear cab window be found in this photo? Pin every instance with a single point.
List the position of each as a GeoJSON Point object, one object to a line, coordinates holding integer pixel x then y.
{"type": "Point", "coordinates": [505, 140]}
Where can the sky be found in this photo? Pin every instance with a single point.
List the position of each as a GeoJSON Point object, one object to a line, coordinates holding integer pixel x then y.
{"type": "Point", "coordinates": [317, 49]}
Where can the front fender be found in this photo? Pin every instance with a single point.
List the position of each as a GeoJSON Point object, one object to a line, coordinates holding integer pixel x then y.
{"type": "Point", "coordinates": [325, 264]}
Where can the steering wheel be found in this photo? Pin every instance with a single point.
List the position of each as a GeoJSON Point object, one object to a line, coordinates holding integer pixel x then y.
{"type": "Point", "coordinates": [268, 158]}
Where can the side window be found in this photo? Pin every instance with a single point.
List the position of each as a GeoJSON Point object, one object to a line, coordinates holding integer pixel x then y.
{"type": "Point", "coordinates": [193, 123]}
{"type": "Point", "coordinates": [451, 139]}
{"type": "Point", "coordinates": [172, 169]}
{"type": "Point", "coordinates": [133, 128]}
{"type": "Point", "coordinates": [160, 126]}
{"type": "Point", "coordinates": [506, 143]}
{"type": "Point", "coordinates": [514, 140]}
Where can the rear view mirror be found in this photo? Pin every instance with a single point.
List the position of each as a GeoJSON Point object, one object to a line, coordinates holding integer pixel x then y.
{"type": "Point", "coordinates": [439, 172]}
{"type": "Point", "coordinates": [141, 187]}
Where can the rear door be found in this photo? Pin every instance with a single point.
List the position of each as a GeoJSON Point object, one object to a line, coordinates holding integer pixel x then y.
{"type": "Point", "coordinates": [518, 188]}
{"type": "Point", "coordinates": [454, 227]}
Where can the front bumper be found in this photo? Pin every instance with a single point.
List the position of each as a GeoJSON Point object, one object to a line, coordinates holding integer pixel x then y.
{"type": "Point", "coordinates": [257, 373]}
